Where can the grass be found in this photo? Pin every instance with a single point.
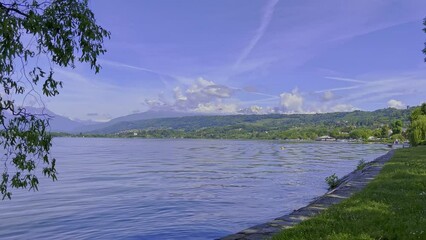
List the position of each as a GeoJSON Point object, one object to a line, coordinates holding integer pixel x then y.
{"type": "Point", "coordinates": [392, 206]}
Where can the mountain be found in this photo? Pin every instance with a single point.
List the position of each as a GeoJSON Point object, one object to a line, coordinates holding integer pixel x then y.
{"type": "Point", "coordinates": [148, 115]}
{"type": "Point", "coordinates": [60, 123]}
{"type": "Point", "coordinates": [57, 122]}
{"type": "Point", "coordinates": [170, 120]}
{"type": "Point", "coordinates": [151, 115]}
{"type": "Point", "coordinates": [266, 122]}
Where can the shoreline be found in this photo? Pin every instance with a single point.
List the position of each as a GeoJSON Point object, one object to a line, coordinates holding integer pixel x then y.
{"type": "Point", "coordinates": [287, 141]}
{"type": "Point", "coordinates": [351, 183]}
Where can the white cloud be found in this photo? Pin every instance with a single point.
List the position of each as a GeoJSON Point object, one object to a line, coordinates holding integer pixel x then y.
{"type": "Point", "coordinates": [326, 107]}
{"type": "Point", "coordinates": [154, 103]}
{"type": "Point", "coordinates": [396, 104]}
{"type": "Point", "coordinates": [342, 108]}
{"type": "Point", "coordinates": [292, 102]}
{"type": "Point", "coordinates": [205, 88]}
{"type": "Point", "coordinates": [327, 96]}
{"type": "Point", "coordinates": [179, 96]}
{"type": "Point", "coordinates": [216, 107]}
{"type": "Point", "coordinates": [202, 91]}
{"type": "Point", "coordinates": [201, 96]}
{"type": "Point", "coordinates": [255, 109]}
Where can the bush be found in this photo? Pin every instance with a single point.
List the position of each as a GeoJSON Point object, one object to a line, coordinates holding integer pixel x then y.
{"type": "Point", "coordinates": [332, 181]}
{"type": "Point", "coordinates": [361, 164]}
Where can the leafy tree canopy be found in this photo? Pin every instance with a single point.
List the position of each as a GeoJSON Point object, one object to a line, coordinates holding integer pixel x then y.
{"type": "Point", "coordinates": [424, 29]}
{"type": "Point", "coordinates": [62, 32]}
{"type": "Point", "coordinates": [417, 130]}
{"type": "Point", "coordinates": [396, 127]}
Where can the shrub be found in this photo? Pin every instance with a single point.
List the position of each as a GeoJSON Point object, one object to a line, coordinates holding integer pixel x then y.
{"type": "Point", "coordinates": [361, 164]}
{"type": "Point", "coordinates": [332, 181]}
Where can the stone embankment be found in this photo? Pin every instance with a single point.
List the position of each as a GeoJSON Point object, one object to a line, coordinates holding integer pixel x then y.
{"type": "Point", "coordinates": [350, 184]}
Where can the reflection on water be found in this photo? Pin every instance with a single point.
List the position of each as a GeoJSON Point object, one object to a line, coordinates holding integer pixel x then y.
{"type": "Point", "coordinates": [174, 189]}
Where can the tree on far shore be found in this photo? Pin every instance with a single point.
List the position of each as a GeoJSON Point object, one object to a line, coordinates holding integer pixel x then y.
{"type": "Point", "coordinates": [396, 127]}
{"type": "Point", "coordinates": [58, 33]}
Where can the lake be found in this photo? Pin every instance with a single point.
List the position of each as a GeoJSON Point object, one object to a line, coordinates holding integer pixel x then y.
{"type": "Point", "coordinates": [173, 189]}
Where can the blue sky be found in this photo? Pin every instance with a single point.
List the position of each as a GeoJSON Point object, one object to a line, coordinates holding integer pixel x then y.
{"type": "Point", "coordinates": [257, 56]}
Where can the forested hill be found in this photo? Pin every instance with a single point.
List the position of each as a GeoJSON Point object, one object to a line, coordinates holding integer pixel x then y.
{"type": "Point", "coordinates": [219, 126]}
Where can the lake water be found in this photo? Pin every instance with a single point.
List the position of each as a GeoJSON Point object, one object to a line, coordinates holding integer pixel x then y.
{"type": "Point", "coordinates": [174, 189]}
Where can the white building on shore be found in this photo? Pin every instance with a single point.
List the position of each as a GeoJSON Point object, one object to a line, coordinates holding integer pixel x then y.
{"type": "Point", "coordinates": [325, 138]}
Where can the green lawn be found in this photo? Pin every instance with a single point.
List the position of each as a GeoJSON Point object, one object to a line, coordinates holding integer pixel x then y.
{"type": "Point", "coordinates": [392, 206]}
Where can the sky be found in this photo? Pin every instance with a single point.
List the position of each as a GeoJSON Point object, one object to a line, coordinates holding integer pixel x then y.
{"type": "Point", "coordinates": [257, 56]}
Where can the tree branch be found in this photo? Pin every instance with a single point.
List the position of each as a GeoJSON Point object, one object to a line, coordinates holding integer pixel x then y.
{"type": "Point", "coordinates": [14, 10]}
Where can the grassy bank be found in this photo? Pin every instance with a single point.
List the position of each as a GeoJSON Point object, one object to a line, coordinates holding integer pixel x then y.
{"type": "Point", "coordinates": [393, 206]}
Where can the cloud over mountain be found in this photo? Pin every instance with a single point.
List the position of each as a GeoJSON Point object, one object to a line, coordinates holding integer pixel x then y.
{"type": "Point", "coordinates": [292, 102]}
{"type": "Point", "coordinates": [396, 104]}
{"type": "Point", "coordinates": [201, 96]}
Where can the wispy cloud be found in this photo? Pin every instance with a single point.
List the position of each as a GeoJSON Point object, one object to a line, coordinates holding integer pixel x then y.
{"type": "Point", "coordinates": [338, 89]}
{"type": "Point", "coordinates": [264, 22]}
{"type": "Point", "coordinates": [282, 45]}
{"type": "Point", "coordinates": [251, 91]}
{"type": "Point", "coordinates": [377, 90]}
{"type": "Point", "coordinates": [118, 64]}
{"type": "Point", "coordinates": [295, 41]}
{"type": "Point", "coordinates": [159, 73]}
{"type": "Point", "coordinates": [346, 79]}
{"type": "Point", "coordinates": [351, 80]}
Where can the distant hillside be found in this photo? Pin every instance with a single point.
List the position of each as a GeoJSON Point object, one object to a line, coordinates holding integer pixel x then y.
{"type": "Point", "coordinates": [149, 115]}
{"type": "Point", "coordinates": [262, 122]}
{"type": "Point", "coordinates": [57, 123]}
{"type": "Point", "coordinates": [63, 124]}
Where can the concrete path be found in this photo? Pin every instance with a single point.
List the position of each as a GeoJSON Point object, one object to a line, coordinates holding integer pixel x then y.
{"type": "Point", "coordinates": [350, 184]}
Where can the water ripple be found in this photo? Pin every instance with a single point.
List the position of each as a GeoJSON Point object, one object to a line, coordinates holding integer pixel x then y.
{"type": "Point", "coordinates": [173, 189]}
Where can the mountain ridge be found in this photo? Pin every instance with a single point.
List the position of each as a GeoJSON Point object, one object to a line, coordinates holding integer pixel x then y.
{"type": "Point", "coordinates": [266, 122]}
{"type": "Point", "coordinates": [156, 120]}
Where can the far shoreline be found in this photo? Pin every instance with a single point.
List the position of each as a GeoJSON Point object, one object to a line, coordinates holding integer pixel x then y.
{"type": "Point", "coordinates": [113, 136]}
